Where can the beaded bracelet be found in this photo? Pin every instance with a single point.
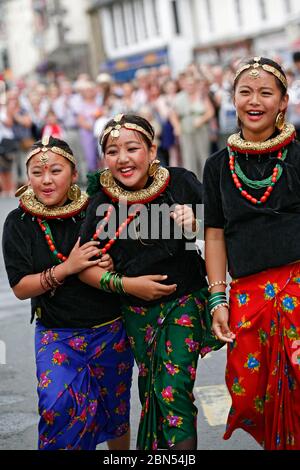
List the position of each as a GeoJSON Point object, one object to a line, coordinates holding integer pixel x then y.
{"type": "Point", "coordinates": [54, 279]}
{"type": "Point", "coordinates": [223, 304]}
{"type": "Point", "coordinates": [48, 282]}
{"type": "Point", "coordinates": [216, 283]}
{"type": "Point", "coordinates": [47, 279]}
{"type": "Point", "coordinates": [43, 282]}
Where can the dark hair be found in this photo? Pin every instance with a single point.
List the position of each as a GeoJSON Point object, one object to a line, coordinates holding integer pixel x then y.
{"type": "Point", "coordinates": [265, 61]}
{"type": "Point", "coordinates": [132, 119]}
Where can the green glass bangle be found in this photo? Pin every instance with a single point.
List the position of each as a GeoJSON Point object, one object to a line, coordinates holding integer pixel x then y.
{"type": "Point", "coordinates": [211, 299]}
{"type": "Point", "coordinates": [217, 297]}
{"type": "Point", "coordinates": [215, 294]}
{"type": "Point", "coordinates": [210, 306]}
{"type": "Point", "coordinates": [216, 304]}
{"type": "Point", "coordinates": [117, 283]}
{"type": "Point", "coordinates": [105, 281]}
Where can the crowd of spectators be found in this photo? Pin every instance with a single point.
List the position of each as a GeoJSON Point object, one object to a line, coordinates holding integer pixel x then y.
{"type": "Point", "coordinates": [192, 114]}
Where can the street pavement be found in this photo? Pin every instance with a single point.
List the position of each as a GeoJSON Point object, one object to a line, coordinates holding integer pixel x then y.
{"type": "Point", "coordinates": [18, 400]}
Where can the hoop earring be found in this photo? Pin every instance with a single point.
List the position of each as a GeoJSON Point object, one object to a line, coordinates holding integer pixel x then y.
{"type": "Point", "coordinates": [153, 167]}
{"type": "Point", "coordinates": [74, 192]}
{"type": "Point", "coordinates": [280, 121]}
{"type": "Point", "coordinates": [21, 190]}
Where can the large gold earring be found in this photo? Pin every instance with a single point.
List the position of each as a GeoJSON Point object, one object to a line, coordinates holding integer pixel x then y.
{"type": "Point", "coordinates": [280, 121]}
{"type": "Point", "coordinates": [153, 167]}
{"type": "Point", "coordinates": [74, 192]}
{"type": "Point", "coordinates": [21, 190]}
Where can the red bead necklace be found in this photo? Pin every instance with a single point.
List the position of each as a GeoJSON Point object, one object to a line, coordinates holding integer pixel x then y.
{"type": "Point", "coordinates": [272, 180]}
{"type": "Point", "coordinates": [118, 232]}
{"type": "Point", "coordinates": [60, 258]}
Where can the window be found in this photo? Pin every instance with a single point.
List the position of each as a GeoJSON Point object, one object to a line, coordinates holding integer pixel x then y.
{"type": "Point", "coordinates": [113, 27]}
{"type": "Point", "coordinates": [155, 15]}
{"type": "Point", "coordinates": [238, 11]}
{"type": "Point", "coordinates": [151, 18]}
{"type": "Point", "coordinates": [175, 16]}
{"type": "Point", "coordinates": [263, 11]}
{"type": "Point", "coordinates": [143, 9]}
{"type": "Point", "coordinates": [287, 6]}
{"type": "Point", "coordinates": [130, 19]}
{"type": "Point", "coordinates": [140, 22]}
{"type": "Point", "coordinates": [119, 26]}
{"type": "Point", "coordinates": [209, 15]}
{"type": "Point", "coordinates": [124, 23]}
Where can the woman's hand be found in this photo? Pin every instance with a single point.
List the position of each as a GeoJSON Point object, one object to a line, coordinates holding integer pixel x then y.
{"type": "Point", "coordinates": [106, 262]}
{"type": "Point", "coordinates": [184, 217]}
{"type": "Point", "coordinates": [148, 287]}
{"type": "Point", "coordinates": [79, 257]}
{"type": "Point", "coordinates": [220, 325]}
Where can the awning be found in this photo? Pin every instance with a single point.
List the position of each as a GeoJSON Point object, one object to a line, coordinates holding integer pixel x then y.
{"type": "Point", "coordinates": [124, 69]}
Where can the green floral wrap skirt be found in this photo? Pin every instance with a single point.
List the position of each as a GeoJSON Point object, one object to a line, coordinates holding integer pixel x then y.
{"type": "Point", "coordinates": [166, 340]}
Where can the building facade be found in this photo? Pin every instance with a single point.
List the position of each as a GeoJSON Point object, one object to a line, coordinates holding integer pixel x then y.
{"type": "Point", "coordinates": [141, 33]}
{"type": "Point", "coordinates": [48, 33]}
{"type": "Point", "coordinates": [120, 36]}
{"type": "Point", "coordinates": [233, 28]}
{"type": "Point", "coordinates": [145, 33]}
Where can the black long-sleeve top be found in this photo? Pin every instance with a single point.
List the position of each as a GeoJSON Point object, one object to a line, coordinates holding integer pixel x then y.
{"type": "Point", "coordinates": [257, 237]}
{"type": "Point", "coordinates": [178, 258]}
{"type": "Point", "coordinates": [75, 304]}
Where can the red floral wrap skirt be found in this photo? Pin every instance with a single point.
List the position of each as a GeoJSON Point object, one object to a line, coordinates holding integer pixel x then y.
{"type": "Point", "coordinates": [263, 363]}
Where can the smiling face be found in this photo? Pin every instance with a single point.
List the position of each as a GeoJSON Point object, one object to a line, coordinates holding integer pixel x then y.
{"type": "Point", "coordinates": [128, 158]}
{"type": "Point", "coordinates": [50, 182]}
{"type": "Point", "coordinates": [258, 102]}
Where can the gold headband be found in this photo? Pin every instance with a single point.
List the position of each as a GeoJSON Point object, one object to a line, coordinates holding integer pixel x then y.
{"type": "Point", "coordinates": [114, 130]}
{"type": "Point", "coordinates": [255, 73]}
{"type": "Point", "coordinates": [44, 150]}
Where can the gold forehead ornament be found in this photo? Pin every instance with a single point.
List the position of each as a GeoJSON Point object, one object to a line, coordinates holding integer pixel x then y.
{"type": "Point", "coordinates": [44, 158]}
{"type": "Point", "coordinates": [254, 73]}
{"type": "Point", "coordinates": [114, 131]}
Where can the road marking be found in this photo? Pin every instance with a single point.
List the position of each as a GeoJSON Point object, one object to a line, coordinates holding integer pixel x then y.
{"type": "Point", "coordinates": [215, 401]}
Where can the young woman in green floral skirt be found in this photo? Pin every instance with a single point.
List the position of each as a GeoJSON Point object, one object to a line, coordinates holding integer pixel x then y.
{"type": "Point", "coordinates": [166, 317]}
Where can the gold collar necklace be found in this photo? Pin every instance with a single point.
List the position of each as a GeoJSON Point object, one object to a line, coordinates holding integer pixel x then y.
{"type": "Point", "coordinates": [237, 143]}
{"type": "Point", "coordinates": [116, 192]}
{"type": "Point", "coordinates": [30, 204]}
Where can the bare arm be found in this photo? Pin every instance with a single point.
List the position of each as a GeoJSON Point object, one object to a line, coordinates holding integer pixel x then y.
{"type": "Point", "coordinates": [215, 256]}
{"type": "Point", "coordinates": [208, 115]}
{"type": "Point", "coordinates": [28, 287]}
{"type": "Point", "coordinates": [216, 262]}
